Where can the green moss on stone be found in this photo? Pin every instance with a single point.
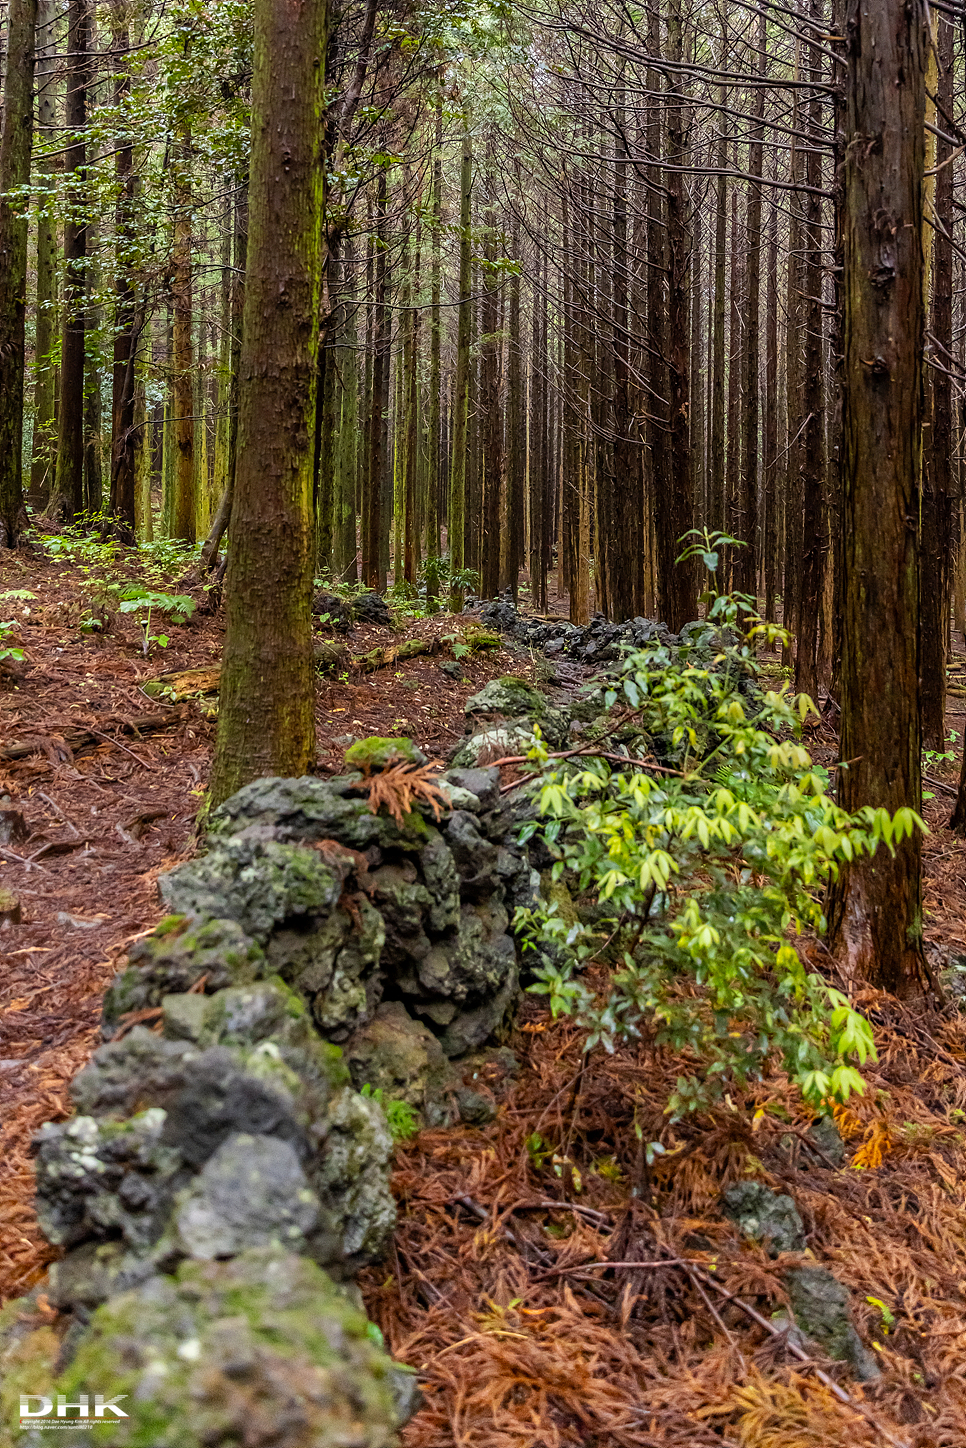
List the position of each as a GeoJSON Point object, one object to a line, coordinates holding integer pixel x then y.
{"type": "Point", "coordinates": [378, 753]}
{"type": "Point", "coordinates": [263, 1349]}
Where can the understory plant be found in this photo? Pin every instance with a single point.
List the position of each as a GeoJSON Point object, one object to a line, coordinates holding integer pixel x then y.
{"type": "Point", "coordinates": [696, 879]}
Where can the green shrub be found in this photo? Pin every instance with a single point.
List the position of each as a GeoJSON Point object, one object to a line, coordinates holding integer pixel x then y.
{"type": "Point", "coordinates": [705, 876]}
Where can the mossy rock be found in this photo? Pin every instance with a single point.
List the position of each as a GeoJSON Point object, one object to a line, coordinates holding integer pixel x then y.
{"type": "Point", "coordinates": [176, 956]}
{"type": "Point", "coordinates": [377, 753]}
{"type": "Point", "coordinates": [510, 697]}
{"type": "Point", "coordinates": [263, 1350]}
{"type": "Point", "coordinates": [480, 638]}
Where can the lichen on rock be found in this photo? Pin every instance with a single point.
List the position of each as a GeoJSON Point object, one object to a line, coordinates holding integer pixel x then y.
{"type": "Point", "coordinates": [261, 1349]}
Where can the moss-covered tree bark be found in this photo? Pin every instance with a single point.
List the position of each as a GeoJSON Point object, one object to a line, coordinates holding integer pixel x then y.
{"type": "Point", "coordinates": [876, 903]}
{"type": "Point", "coordinates": [15, 141]}
{"type": "Point", "coordinates": [266, 721]}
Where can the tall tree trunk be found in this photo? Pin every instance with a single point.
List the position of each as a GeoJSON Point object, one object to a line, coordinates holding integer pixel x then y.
{"type": "Point", "coordinates": [183, 520]}
{"type": "Point", "coordinates": [239, 249]}
{"type": "Point", "coordinates": [126, 327]}
{"type": "Point", "coordinates": [716, 484]}
{"type": "Point", "coordinates": [377, 519]}
{"type": "Point", "coordinates": [939, 447]}
{"type": "Point", "coordinates": [791, 584]}
{"type": "Point", "coordinates": [813, 424]}
{"type": "Point", "coordinates": [514, 533]}
{"type": "Point", "coordinates": [433, 477]}
{"type": "Point", "coordinates": [45, 367]}
{"type": "Point", "coordinates": [875, 907]}
{"type": "Point", "coordinates": [344, 540]}
{"type": "Point", "coordinates": [15, 144]}
{"type": "Point", "coordinates": [491, 411]}
{"type": "Point", "coordinates": [770, 491]}
{"type": "Point", "coordinates": [679, 580]}
{"type": "Point", "coordinates": [68, 499]}
{"type": "Point", "coordinates": [746, 562]}
{"type": "Point", "coordinates": [456, 523]}
{"type": "Point", "coordinates": [266, 722]}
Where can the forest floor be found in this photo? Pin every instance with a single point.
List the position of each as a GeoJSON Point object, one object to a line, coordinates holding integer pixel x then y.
{"type": "Point", "coordinates": [488, 1293]}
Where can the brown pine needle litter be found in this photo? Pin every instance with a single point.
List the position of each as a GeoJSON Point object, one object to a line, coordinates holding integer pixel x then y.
{"type": "Point", "coordinates": [517, 1347]}
{"type": "Point", "coordinates": [398, 788]}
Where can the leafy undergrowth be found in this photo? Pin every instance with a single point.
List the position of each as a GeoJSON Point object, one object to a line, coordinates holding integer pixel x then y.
{"type": "Point", "coordinates": [519, 1346]}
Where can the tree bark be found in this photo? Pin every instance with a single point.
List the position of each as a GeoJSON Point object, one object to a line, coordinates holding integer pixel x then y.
{"type": "Point", "coordinates": [490, 409]}
{"type": "Point", "coordinates": [377, 520]}
{"type": "Point", "coordinates": [875, 905]}
{"type": "Point", "coordinates": [126, 324]}
{"type": "Point", "coordinates": [746, 561]}
{"type": "Point", "coordinates": [937, 491]}
{"type": "Point", "coordinates": [266, 722]}
{"type": "Point", "coordinates": [45, 368]}
{"type": "Point", "coordinates": [456, 522]}
{"type": "Point", "coordinates": [813, 398]}
{"type": "Point", "coordinates": [15, 144]}
{"type": "Point", "coordinates": [679, 580]}
{"type": "Point", "coordinates": [183, 520]}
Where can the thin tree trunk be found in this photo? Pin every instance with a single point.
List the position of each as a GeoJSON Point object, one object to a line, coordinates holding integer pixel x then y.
{"type": "Point", "coordinates": [219, 524]}
{"type": "Point", "coordinates": [492, 427]}
{"type": "Point", "coordinates": [373, 554]}
{"type": "Point", "coordinates": [456, 521]}
{"type": "Point", "coordinates": [716, 488]}
{"type": "Point", "coordinates": [183, 520]}
{"type": "Point", "coordinates": [679, 580]}
{"type": "Point", "coordinates": [45, 368]}
{"type": "Point", "coordinates": [813, 397]}
{"type": "Point", "coordinates": [746, 562]}
{"type": "Point", "coordinates": [434, 479]}
{"type": "Point", "coordinates": [68, 499]}
{"type": "Point", "coordinates": [15, 145]}
{"type": "Point", "coordinates": [937, 462]}
{"type": "Point", "coordinates": [126, 322]}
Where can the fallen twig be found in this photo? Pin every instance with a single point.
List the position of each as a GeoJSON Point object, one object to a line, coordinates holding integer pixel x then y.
{"type": "Point", "coordinates": [78, 738]}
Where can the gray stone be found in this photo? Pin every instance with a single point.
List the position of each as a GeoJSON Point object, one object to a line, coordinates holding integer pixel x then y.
{"type": "Point", "coordinates": [314, 810]}
{"type": "Point", "coordinates": [509, 698]}
{"type": "Point", "coordinates": [263, 1349]}
{"type": "Point", "coordinates": [331, 962]}
{"type": "Point", "coordinates": [403, 1058]}
{"type": "Point", "coordinates": [404, 904]}
{"type": "Point", "coordinates": [827, 1137]}
{"type": "Point", "coordinates": [821, 1307]}
{"type": "Point", "coordinates": [472, 1027]}
{"type": "Point", "coordinates": [180, 953]}
{"type": "Point", "coordinates": [99, 1178]}
{"type": "Point", "coordinates": [493, 742]}
{"type": "Point", "coordinates": [371, 608]}
{"type": "Point", "coordinates": [257, 882]}
{"type": "Point", "coordinates": [251, 1193]}
{"type": "Point", "coordinates": [184, 1016]}
{"type": "Point", "coordinates": [475, 1108]}
{"type": "Point", "coordinates": [475, 857]}
{"type": "Point", "coordinates": [765, 1216]}
{"type": "Point", "coordinates": [442, 881]}
{"type": "Point", "coordinates": [483, 784]}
